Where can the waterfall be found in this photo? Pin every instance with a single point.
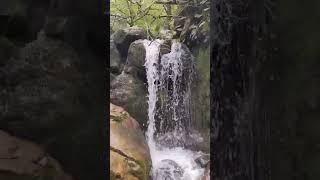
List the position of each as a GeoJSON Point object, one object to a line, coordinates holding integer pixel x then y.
{"type": "Point", "coordinates": [169, 97]}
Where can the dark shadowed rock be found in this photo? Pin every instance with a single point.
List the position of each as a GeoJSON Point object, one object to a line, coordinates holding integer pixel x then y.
{"type": "Point", "coordinates": [7, 50]}
{"type": "Point", "coordinates": [71, 29]}
{"type": "Point", "coordinates": [21, 159]}
{"type": "Point", "coordinates": [115, 59]}
{"type": "Point", "coordinates": [130, 93]}
{"type": "Point", "coordinates": [124, 37]}
{"type": "Point", "coordinates": [45, 92]}
{"type": "Point", "coordinates": [21, 20]}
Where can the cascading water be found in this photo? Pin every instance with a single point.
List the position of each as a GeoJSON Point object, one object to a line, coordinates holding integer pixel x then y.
{"type": "Point", "coordinates": [169, 131]}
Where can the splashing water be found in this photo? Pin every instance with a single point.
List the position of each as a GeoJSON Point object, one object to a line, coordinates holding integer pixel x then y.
{"type": "Point", "coordinates": [169, 113]}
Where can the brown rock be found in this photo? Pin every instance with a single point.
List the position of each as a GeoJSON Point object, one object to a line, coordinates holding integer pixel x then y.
{"type": "Point", "coordinates": [129, 153]}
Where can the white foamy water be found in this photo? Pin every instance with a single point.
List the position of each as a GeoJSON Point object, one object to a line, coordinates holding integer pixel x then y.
{"type": "Point", "coordinates": [186, 168]}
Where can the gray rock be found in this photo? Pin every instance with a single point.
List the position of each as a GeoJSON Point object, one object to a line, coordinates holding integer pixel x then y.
{"type": "Point", "coordinates": [165, 48]}
{"type": "Point", "coordinates": [124, 37]}
{"type": "Point", "coordinates": [136, 59]}
{"type": "Point", "coordinates": [115, 59]}
{"type": "Point", "coordinates": [168, 170]}
{"type": "Point", "coordinates": [203, 160]}
{"type": "Point", "coordinates": [130, 93]}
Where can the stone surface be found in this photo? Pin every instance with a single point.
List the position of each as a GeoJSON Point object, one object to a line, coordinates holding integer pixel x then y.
{"type": "Point", "coordinates": [124, 37]}
{"type": "Point", "coordinates": [168, 170]}
{"type": "Point", "coordinates": [136, 59]}
{"type": "Point", "coordinates": [129, 92]}
{"type": "Point", "coordinates": [203, 160]}
{"type": "Point", "coordinates": [21, 159]}
{"type": "Point", "coordinates": [48, 90]}
{"type": "Point", "coordinates": [129, 153]}
{"type": "Point", "coordinates": [115, 59]}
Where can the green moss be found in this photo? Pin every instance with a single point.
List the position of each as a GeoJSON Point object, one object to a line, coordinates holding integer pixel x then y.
{"type": "Point", "coordinates": [119, 118]}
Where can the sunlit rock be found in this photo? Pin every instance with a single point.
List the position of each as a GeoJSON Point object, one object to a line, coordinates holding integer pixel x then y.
{"type": "Point", "coordinates": [129, 152]}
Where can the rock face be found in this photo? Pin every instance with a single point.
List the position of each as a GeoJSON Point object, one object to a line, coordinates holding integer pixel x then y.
{"type": "Point", "coordinates": [136, 59]}
{"type": "Point", "coordinates": [124, 37]}
{"type": "Point", "coordinates": [130, 93]}
{"type": "Point", "coordinates": [45, 92]}
{"type": "Point", "coordinates": [115, 59]}
{"type": "Point", "coordinates": [20, 159]}
{"type": "Point", "coordinates": [129, 153]}
{"type": "Point", "coordinates": [52, 63]}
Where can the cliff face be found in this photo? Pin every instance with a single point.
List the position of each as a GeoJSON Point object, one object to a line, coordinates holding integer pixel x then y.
{"type": "Point", "coordinates": [52, 63]}
{"type": "Point", "coordinates": [265, 90]}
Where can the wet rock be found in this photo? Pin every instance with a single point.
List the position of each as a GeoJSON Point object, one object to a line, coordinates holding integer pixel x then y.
{"type": "Point", "coordinates": [136, 59]}
{"type": "Point", "coordinates": [129, 152]}
{"type": "Point", "coordinates": [165, 48]}
{"type": "Point", "coordinates": [21, 159]}
{"type": "Point", "coordinates": [168, 170]}
{"type": "Point", "coordinates": [130, 93]}
{"type": "Point", "coordinates": [206, 175]}
{"type": "Point", "coordinates": [115, 59]}
{"type": "Point", "coordinates": [203, 160]}
{"type": "Point", "coordinates": [124, 37]}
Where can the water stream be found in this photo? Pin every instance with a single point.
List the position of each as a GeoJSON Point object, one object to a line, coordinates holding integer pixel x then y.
{"type": "Point", "coordinates": [169, 97]}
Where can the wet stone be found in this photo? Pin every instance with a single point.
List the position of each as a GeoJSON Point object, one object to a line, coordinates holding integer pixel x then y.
{"type": "Point", "coordinates": [168, 170]}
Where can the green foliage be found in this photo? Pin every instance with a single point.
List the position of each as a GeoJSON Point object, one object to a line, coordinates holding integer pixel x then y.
{"type": "Point", "coordinates": [142, 13]}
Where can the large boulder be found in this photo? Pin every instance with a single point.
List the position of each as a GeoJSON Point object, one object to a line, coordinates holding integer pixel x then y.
{"type": "Point", "coordinates": [124, 37]}
{"type": "Point", "coordinates": [129, 92]}
{"type": "Point", "coordinates": [136, 59]}
{"type": "Point", "coordinates": [129, 153]}
{"type": "Point", "coordinates": [47, 91]}
{"type": "Point", "coordinates": [21, 159]}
